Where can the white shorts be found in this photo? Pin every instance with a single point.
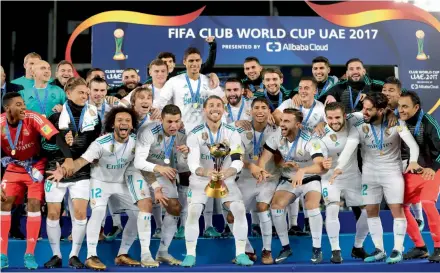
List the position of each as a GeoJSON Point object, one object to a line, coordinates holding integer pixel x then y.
{"type": "Point", "coordinates": [77, 190]}
{"type": "Point", "coordinates": [197, 195]}
{"type": "Point", "coordinates": [349, 185]}
{"type": "Point", "coordinates": [376, 184]}
{"type": "Point", "coordinates": [117, 193]}
{"type": "Point", "coordinates": [254, 193]}
{"type": "Point", "coordinates": [286, 185]}
{"type": "Point", "coordinates": [138, 187]}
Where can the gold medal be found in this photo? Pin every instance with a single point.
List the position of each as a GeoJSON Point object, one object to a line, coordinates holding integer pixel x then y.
{"type": "Point", "coordinates": [13, 152]}
{"type": "Point", "coordinates": [195, 105]}
{"type": "Point", "coordinates": [381, 152]}
{"type": "Point", "coordinates": [255, 157]}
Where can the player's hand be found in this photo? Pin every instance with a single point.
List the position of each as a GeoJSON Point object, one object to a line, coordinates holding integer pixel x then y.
{"type": "Point", "coordinates": [214, 81]}
{"type": "Point", "coordinates": [183, 149]}
{"type": "Point", "coordinates": [428, 174]}
{"type": "Point", "coordinates": [298, 178]}
{"type": "Point", "coordinates": [336, 173]}
{"type": "Point", "coordinates": [290, 164]}
{"type": "Point", "coordinates": [218, 176]}
{"type": "Point", "coordinates": [414, 167]}
{"type": "Point", "coordinates": [57, 108]}
{"type": "Point", "coordinates": [329, 99]}
{"type": "Point", "coordinates": [56, 175]}
{"type": "Point", "coordinates": [210, 39]}
{"type": "Point", "coordinates": [327, 163]}
{"type": "Point", "coordinates": [155, 113]}
{"type": "Point", "coordinates": [69, 138]}
{"type": "Point", "coordinates": [259, 173]}
{"type": "Point", "coordinates": [245, 124]}
{"type": "Point", "coordinates": [320, 129]}
{"type": "Point", "coordinates": [271, 120]}
{"type": "Point", "coordinates": [167, 172]}
{"type": "Point", "coordinates": [111, 100]}
{"type": "Point", "coordinates": [68, 166]}
{"type": "Point", "coordinates": [392, 119]}
{"type": "Point", "coordinates": [159, 197]}
{"type": "Point", "coordinates": [296, 100]}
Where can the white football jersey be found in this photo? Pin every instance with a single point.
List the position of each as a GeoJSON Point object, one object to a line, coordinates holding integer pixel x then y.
{"type": "Point", "coordinates": [306, 149]}
{"type": "Point", "coordinates": [151, 146]}
{"type": "Point", "coordinates": [199, 154]}
{"type": "Point", "coordinates": [232, 113]}
{"type": "Point", "coordinates": [317, 115]}
{"type": "Point", "coordinates": [248, 140]}
{"type": "Point", "coordinates": [113, 158]}
{"type": "Point", "coordinates": [177, 91]}
{"type": "Point", "coordinates": [334, 143]}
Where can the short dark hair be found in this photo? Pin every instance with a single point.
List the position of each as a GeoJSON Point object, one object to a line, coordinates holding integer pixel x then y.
{"type": "Point", "coordinates": [130, 69]}
{"type": "Point", "coordinates": [97, 80]}
{"type": "Point", "coordinates": [309, 78]}
{"type": "Point", "coordinates": [379, 100]}
{"type": "Point", "coordinates": [93, 70]}
{"type": "Point", "coordinates": [259, 99]}
{"type": "Point", "coordinates": [321, 59]}
{"type": "Point", "coordinates": [63, 62]}
{"type": "Point", "coordinates": [167, 55]}
{"type": "Point", "coordinates": [273, 70]}
{"type": "Point", "coordinates": [212, 97]}
{"type": "Point", "coordinates": [393, 80]}
{"type": "Point", "coordinates": [111, 116]}
{"type": "Point", "coordinates": [334, 106]}
{"type": "Point", "coordinates": [352, 60]}
{"type": "Point", "coordinates": [413, 96]}
{"type": "Point", "coordinates": [252, 59]}
{"type": "Point", "coordinates": [297, 113]}
{"type": "Point", "coordinates": [233, 79]}
{"type": "Point", "coordinates": [170, 109]}
{"type": "Point", "coordinates": [9, 96]}
{"type": "Point", "coordinates": [191, 50]}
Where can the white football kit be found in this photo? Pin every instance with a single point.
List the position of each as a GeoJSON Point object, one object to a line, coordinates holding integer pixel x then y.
{"type": "Point", "coordinates": [349, 182]}
{"type": "Point", "coordinates": [240, 112]}
{"type": "Point", "coordinates": [108, 174]}
{"type": "Point", "coordinates": [178, 92]}
{"type": "Point", "coordinates": [311, 116]}
{"type": "Point", "coordinates": [382, 166]}
{"type": "Point", "coordinates": [153, 148]}
{"type": "Point", "coordinates": [253, 142]}
{"type": "Point", "coordinates": [306, 149]}
{"type": "Point", "coordinates": [199, 156]}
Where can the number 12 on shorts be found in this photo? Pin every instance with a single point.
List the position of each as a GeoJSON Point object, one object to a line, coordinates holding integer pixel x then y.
{"type": "Point", "coordinates": [96, 193]}
{"type": "Point", "coordinates": [364, 189]}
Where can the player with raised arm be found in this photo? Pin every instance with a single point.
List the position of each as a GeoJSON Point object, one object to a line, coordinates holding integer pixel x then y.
{"type": "Point", "coordinates": [300, 175]}
{"type": "Point", "coordinates": [201, 165]}
{"type": "Point", "coordinates": [381, 171]}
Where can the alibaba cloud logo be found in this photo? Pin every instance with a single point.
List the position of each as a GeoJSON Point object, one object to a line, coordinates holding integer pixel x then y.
{"type": "Point", "coordinates": [273, 46]}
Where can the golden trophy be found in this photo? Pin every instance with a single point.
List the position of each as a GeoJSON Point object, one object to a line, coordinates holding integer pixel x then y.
{"type": "Point", "coordinates": [119, 37]}
{"type": "Point", "coordinates": [420, 34]}
{"type": "Point", "coordinates": [217, 188]}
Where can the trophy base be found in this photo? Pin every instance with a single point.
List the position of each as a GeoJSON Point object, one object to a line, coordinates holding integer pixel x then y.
{"type": "Point", "coordinates": [422, 57]}
{"type": "Point", "coordinates": [119, 57]}
{"type": "Point", "coordinates": [216, 189]}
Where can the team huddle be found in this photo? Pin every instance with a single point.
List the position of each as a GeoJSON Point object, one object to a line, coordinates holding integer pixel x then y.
{"type": "Point", "coordinates": [141, 146]}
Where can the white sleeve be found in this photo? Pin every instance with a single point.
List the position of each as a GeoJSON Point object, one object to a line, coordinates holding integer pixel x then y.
{"type": "Point", "coordinates": [128, 98]}
{"type": "Point", "coordinates": [218, 91]}
{"type": "Point", "coordinates": [272, 141]}
{"type": "Point", "coordinates": [315, 147]}
{"type": "Point", "coordinates": [143, 144]}
{"type": "Point", "coordinates": [237, 148]}
{"type": "Point", "coordinates": [93, 152]}
{"type": "Point", "coordinates": [194, 152]}
{"type": "Point", "coordinates": [165, 94]}
{"type": "Point", "coordinates": [182, 165]}
{"type": "Point", "coordinates": [284, 105]}
{"type": "Point", "coordinates": [350, 147]}
{"type": "Point", "coordinates": [409, 140]}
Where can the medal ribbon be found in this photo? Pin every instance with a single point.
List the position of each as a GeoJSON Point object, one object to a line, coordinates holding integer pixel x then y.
{"type": "Point", "coordinates": [358, 98]}
{"type": "Point", "coordinates": [239, 111]}
{"type": "Point", "coordinates": [72, 119]}
{"type": "Point", "coordinates": [419, 121]}
{"type": "Point", "coordinates": [280, 100]}
{"type": "Point", "coordinates": [44, 103]}
{"type": "Point", "coordinates": [309, 114]}
{"type": "Point", "coordinates": [194, 98]}
{"type": "Point", "coordinates": [211, 138]}
{"type": "Point", "coordinates": [324, 89]}
{"type": "Point", "coordinates": [379, 142]}
{"type": "Point", "coordinates": [257, 144]}
{"type": "Point", "coordinates": [114, 148]}
{"type": "Point", "coordinates": [17, 135]}
{"type": "Point", "coordinates": [168, 147]}
{"type": "Point", "coordinates": [295, 143]}
{"type": "Point", "coordinates": [142, 121]}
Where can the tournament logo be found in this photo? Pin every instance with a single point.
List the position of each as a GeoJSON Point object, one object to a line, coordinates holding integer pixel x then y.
{"type": "Point", "coordinates": [388, 132]}
{"type": "Point", "coordinates": [25, 132]}
{"type": "Point", "coordinates": [205, 136]}
{"type": "Point", "coordinates": [119, 37]}
{"type": "Point", "coordinates": [46, 130]}
{"type": "Point", "coordinates": [334, 138]}
{"type": "Point", "coordinates": [366, 130]}
{"type": "Point", "coordinates": [421, 56]}
{"type": "Point", "coordinates": [249, 135]}
{"type": "Point", "coordinates": [159, 138]}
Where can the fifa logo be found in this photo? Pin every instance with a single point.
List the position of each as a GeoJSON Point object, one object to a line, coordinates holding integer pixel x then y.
{"type": "Point", "coordinates": [420, 34]}
{"type": "Point", "coordinates": [119, 37]}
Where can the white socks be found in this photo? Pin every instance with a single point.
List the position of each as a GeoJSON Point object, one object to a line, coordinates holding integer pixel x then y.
{"type": "Point", "coordinates": [78, 233]}
{"type": "Point", "coordinates": [240, 228]}
{"type": "Point", "coordinates": [183, 199]}
{"type": "Point", "coordinates": [208, 212]}
{"type": "Point", "coordinates": [293, 210]}
{"type": "Point", "coordinates": [144, 231]}
{"type": "Point", "coordinates": [54, 235]}
{"type": "Point", "coordinates": [280, 223]}
{"type": "Point", "coordinates": [332, 225]}
{"type": "Point", "coordinates": [315, 220]}
{"type": "Point", "coordinates": [361, 230]}
{"type": "Point", "coordinates": [168, 231]}
{"type": "Point", "coordinates": [157, 214]}
{"type": "Point", "coordinates": [266, 229]}
{"type": "Point", "coordinates": [399, 230]}
{"type": "Point", "coordinates": [376, 232]}
{"type": "Point", "coordinates": [130, 232]}
{"type": "Point", "coordinates": [192, 228]}
{"type": "Point", "coordinates": [93, 228]}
